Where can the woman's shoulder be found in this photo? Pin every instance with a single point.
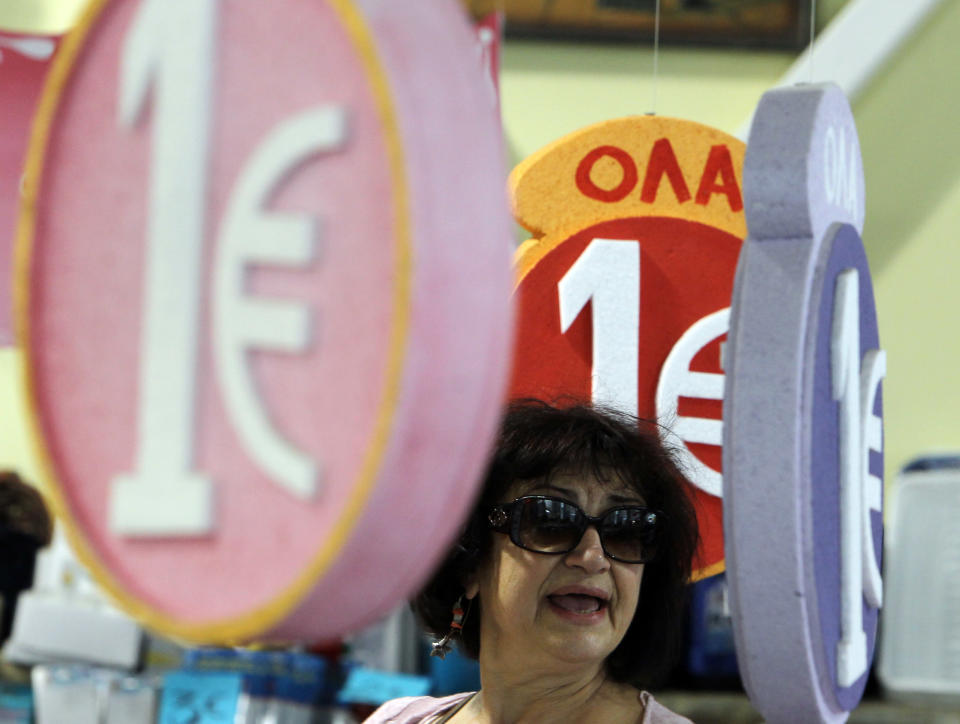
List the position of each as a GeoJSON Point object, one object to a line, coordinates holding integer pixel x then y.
{"type": "Point", "coordinates": [414, 709]}
{"type": "Point", "coordinates": [656, 713]}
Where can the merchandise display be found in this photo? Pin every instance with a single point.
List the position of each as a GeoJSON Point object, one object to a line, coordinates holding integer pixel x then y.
{"type": "Point", "coordinates": [212, 686]}
{"type": "Point", "coordinates": [16, 703]}
{"type": "Point", "coordinates": [711, 658]}
{"type": "Point", "coordinates": [65, 617]}
{"type": "Point", "coordinates": [921, 624]}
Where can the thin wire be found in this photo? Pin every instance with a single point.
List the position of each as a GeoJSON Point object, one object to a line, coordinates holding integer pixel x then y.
{"type": "Point", "coordinates": [656, 60]}
{"type": "Point", "coordinates": [813, 27]}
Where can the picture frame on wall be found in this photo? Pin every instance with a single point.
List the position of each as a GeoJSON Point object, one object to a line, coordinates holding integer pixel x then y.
{"type": "Point", "coordinates": [748, 23]}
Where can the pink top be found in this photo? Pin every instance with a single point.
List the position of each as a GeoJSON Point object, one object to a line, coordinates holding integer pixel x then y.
{"type": "Point", "coordinates": [420, 709]}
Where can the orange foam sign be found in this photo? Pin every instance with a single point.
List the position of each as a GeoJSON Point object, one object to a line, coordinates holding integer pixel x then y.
{"type": "Point", "coordinates": [623, 292]}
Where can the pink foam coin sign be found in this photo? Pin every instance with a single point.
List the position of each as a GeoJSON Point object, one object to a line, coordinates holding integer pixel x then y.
{"type": "Point", "coordinates": [803, 441]}
{"type": "Point", "coordinates": [264, 302]}
{"type": "Point", "coordinates": [24, 60]}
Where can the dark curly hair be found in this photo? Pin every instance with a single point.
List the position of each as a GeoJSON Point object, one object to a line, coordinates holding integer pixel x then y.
{"type": "Point", "coordinates": [25, 528]}
{"type": "Point", "coordinates": [538, 440]}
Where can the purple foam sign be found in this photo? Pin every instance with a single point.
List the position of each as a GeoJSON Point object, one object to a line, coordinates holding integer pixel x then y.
{"type": "Point", "coordinates": [803, 438]}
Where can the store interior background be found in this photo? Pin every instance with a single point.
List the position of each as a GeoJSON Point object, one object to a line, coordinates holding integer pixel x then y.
{"type": "Point", "coordinates": [906, 117]}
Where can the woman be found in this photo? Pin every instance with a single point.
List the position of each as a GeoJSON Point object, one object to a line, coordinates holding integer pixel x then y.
{"type": "Point", "coordinates": [579, 508]}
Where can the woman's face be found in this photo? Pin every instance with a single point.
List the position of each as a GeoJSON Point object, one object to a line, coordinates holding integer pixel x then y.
{"type": "Point", "coordinates": [575, 607]}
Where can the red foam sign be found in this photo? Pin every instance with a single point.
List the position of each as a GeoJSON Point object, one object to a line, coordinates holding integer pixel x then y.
{"type": "Point", "coordinates": [624, 296]}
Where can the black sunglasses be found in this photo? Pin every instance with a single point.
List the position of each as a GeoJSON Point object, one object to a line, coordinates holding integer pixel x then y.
{"type": "Point", "coordinates": [554, 526]}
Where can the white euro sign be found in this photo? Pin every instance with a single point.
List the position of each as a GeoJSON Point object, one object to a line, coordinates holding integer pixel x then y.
{"type": "Point", "coordinates": [677, 380]}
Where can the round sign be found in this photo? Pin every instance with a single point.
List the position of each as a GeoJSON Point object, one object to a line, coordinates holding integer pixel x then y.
{"type": "Point", "coordinates": [624, 296]}
{"type": "Point", "coordinates": [803, 453]}
{"type": "Point", "coordinates": [846, 305]}
{"type": "Point", "coordinates": [265, 313]}
{"type": "Point", "coordinates": [24, 60]}
{"type": "Point", "coordinates": [815, 136]}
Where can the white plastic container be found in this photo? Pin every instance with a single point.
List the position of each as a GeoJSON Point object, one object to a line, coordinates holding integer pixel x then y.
{"type": "Point", "coordinates": [65, 618]}
{"type": "Point", "coordinates": [920, 625]}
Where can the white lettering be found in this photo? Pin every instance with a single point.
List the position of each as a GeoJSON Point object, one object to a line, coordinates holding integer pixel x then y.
{"type": "Point", "coordinates": [169, 50]}
{"type": "Point", "coordinates": [830, 164]}
{"type": "Point", "coordinates": [608, 274]}
{"type": "Point", "coordinates": [873, 370]}
{"type": "Point", "coordinates": [677, 380]}
{"type": "Point", "coordinates": [840, 171]}
{"type": "Point", "coordinates": [860, 431]}
{"type": "Point", "coordinates": [249, 235]}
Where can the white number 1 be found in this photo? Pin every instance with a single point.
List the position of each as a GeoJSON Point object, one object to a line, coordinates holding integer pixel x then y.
{"type": "Point", "coordinates": [608, 274]}
{"type": "Point", "coordinates": [854, 387]}
{"type": "Point", "coordinates": [170, 50]}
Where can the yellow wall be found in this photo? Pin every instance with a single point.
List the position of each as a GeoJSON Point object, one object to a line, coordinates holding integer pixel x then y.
{"type": "Point", "coordinates": [912, 164]}
{"type": "Point", "coordinates": [552, 88]}
{"type": "Point", "coordinates": [14, 446]}
{"type": "Point", "coordinates": [39, 16]}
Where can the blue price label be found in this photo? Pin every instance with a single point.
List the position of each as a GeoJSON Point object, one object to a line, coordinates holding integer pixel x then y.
{"type": "Point", "coordinates": [368, 686]}
{"type": "Point", "coordinates": [199, 698]}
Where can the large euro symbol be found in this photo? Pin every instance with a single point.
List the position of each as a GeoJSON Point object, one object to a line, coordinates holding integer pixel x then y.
{"type": "Point", "coordinates": [677, 380]}
{"type": "Point", "coordinates": [251, 235]}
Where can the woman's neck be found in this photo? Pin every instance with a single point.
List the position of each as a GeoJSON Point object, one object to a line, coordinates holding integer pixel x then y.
{"type": "Point", "coordinates": [563, 695]}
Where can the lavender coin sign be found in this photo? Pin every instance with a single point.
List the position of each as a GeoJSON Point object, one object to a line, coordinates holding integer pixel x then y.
{"type": "Point", "coordinates": [803, 442]}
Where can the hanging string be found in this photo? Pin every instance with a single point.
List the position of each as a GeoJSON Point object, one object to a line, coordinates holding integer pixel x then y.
{"type": "Point", "coordinates": [656, 61]}
{"type": "Point", "coordinates": [813, 28]}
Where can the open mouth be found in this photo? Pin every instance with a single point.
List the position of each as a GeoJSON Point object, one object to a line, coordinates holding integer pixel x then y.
{"type": "Point", "coordinates": [578, 603]}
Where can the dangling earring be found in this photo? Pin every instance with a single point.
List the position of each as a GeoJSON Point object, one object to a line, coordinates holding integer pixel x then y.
{"type": "Point", "coordinates": [443, 646]}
